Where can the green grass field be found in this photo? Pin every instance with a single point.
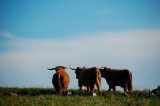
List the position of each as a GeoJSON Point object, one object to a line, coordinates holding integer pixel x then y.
{"type": "Point", "coordinates": [47, 96]}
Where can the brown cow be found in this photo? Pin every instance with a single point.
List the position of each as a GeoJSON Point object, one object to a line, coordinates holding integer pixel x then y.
{"type": "Point", "coordinates": [117, 77]}
{"type": "Point", "coordinates": [89, 77]}
{"type": "Point", "coordinates": [60, 79]}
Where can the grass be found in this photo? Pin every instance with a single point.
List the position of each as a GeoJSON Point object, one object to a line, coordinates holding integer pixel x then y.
{"type": "Point", "coordinates": [47, 96]}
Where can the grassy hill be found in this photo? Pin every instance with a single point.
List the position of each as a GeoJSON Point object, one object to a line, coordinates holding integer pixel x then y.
{"type": "Point", "coordinates": [47, 96]}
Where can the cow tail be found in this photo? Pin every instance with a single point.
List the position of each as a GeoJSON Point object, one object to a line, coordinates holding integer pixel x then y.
{"type": "Point", "coordinates": [59, 84]}
{"type": "Point", "coordinates": [130, 86]}
{"type": "Point", "coordinates": [98, 82]}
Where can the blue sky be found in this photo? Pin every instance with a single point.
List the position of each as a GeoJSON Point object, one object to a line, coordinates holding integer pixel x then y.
{"type": "Point", "coordinates": [59, 19]}
{"type": "Point", "coordinates": [117, 34]}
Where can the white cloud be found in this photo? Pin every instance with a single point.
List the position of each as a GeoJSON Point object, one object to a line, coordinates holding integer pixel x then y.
{"type": "Point", "coordinates": [7, 35]}
{"type": "Point", "coordinates": [25, 64]}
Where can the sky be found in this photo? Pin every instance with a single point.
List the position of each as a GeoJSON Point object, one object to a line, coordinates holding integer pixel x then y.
{"type": "Point", "coordinates": [37, 34]}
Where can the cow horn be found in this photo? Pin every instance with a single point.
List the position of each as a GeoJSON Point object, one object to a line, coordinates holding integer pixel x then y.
{"type": "Point", "coordinates": [67, 66]}
{"type": "Point", "coordinates": [102, 67]}
{"type": "Point", "coordinates": [51, 68]}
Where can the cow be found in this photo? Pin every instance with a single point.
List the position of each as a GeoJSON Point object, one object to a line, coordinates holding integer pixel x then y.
{"type": "Point", "coordinates": [88, 77]}
{"type": "Point", "coordinates": [117, 77]}
{"type": "Point", "coordinates": [60, 79]}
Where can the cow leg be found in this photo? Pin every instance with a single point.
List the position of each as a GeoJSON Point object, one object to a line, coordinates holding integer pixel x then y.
{"type": "Point", "coordinates": [114, 88]}
{"type": "Point", "coordinates": [109, 88]}
{"type": "Point", "coordinates": [80, 88]}
{"type": "Point", "coordinates": [92, 88]}
{"type": "Point", "coordinates": [59, 91]}
{"type": "Point", "coordinates": [125, 88]}
{"type": "Point", "coordinates": [88, 89]}
{"type": "Point", "coordinates": [99, 88]}
{"type": "Point", "coordinates": [80, 85]}
{"type": "Point", "coordinates": [63, 90]}
{"type": "Point", "coordinates": [129, 87]}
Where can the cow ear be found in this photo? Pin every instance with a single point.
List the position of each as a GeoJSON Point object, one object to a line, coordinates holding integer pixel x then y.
{"type": "Point", "coordinates": [63, 67]}
{"type": "Point", "coordinates": [78, 68]}
{"type": "Point", "coordinates": [105, 68]}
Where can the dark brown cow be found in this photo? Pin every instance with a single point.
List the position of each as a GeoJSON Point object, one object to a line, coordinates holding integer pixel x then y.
{"type": "Point", "coordinates": [89, 77]}
{"type": "Point", "coordinates": [60, 79]}
{"type": "Point", "coordinates": [117, 77]}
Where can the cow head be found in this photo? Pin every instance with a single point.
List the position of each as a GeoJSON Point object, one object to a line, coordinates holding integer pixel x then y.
{"type": "Point", "coordinates": [103, 70]}
{"type": "Point", "coordinates": [59, 68]}
{"type": "Point", "coordinates": [77, 71]}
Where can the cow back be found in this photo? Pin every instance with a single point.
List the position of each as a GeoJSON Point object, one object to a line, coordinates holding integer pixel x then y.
{"type": "Point", "coordinates": [116, 76]}
{"type": "Point", "coordinates": [60, 78]}
{"type": "Point", "coordinates": [89, 76]}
